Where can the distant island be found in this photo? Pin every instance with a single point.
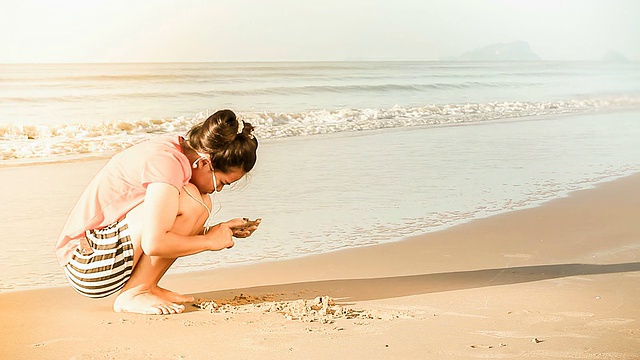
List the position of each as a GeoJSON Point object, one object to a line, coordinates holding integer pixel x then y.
{"type": "Point", "coordinates": [511, 51]}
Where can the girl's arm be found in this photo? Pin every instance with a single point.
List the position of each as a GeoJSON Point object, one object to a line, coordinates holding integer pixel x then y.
{"type": "Point", "coordinates": [161, 206]}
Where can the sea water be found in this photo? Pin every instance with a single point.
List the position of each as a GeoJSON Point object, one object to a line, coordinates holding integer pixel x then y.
{"type": "Point", "coordinates": [53, 112]}
{"type": "Point", "coordinates": [351, 154]}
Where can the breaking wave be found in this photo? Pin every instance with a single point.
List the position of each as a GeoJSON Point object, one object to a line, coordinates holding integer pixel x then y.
{"type": "Point", "coordinates": [26, 143]}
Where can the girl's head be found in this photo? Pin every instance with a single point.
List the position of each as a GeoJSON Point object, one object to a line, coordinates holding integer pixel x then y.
{"type": "Point", "coordinates": [227, 140]}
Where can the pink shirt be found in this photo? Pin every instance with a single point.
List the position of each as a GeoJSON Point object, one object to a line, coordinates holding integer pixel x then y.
{"type": "Point", "coordinates": [121, 185]}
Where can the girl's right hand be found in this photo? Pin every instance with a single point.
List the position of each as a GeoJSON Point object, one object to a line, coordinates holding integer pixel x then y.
{"type": "Point", "coordinates": [221, 235]}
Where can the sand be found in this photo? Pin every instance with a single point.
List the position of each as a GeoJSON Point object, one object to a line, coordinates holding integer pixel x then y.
{"type": "Point", "coordinates": [559, 281]}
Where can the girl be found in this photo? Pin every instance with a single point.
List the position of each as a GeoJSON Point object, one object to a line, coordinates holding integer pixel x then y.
{"type": "Point", "coordinates": [148, 206]}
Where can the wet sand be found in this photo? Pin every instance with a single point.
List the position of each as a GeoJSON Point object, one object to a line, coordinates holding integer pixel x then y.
{"type": "Point", "coordinates": [559, 281]}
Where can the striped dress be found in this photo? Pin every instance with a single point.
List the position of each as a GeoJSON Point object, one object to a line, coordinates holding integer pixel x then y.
{"type": "Point", "coordinates": [106, 266]}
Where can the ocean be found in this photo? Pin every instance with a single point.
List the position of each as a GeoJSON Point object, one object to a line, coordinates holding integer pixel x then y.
{"type": "Point", "coordinates": [54, 112]}
{"type": "Point", "coordinates": [351, 153]}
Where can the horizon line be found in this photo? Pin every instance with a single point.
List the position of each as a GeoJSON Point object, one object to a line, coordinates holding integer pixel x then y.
{"type": "Point", "coordinates": [311, 61]}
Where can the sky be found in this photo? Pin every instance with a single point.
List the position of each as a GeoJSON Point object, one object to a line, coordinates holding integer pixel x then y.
{"type": "Point", "coordinates": [78, 31]}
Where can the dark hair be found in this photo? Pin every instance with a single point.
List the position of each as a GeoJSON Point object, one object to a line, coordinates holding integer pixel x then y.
{"type": "Point", "coordinates": [219, 137]}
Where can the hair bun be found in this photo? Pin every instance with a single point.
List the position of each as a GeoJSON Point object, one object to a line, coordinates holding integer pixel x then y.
{"type": "Point", "coordinates": [245, 128]}
{"type": "Point", "coordinates": [228, 140]}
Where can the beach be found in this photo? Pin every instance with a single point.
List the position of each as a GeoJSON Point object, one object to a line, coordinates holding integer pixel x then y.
{"type": "Point", "coordinates": [557, 281]}
{"type": "Point", "coordinates": [411, 210]}
{"type": "Point", "coordinates": [320, 194]}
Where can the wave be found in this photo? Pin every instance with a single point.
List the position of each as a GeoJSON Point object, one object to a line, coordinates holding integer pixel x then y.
{"type": "Point", "coordinates": [284, 90]}
{"type": "Point", "coordinates": [184, 77]}
{"type": "Point", "coordinates": [58, 142]}
{"type": "Point", "coordinates": [88, 78]}
{"type": "Point", "coordinates": [221, 75]}
{"type": "Point", "coordinates": [314, 89]}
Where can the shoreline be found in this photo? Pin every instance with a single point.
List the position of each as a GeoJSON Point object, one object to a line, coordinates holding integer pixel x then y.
{"type": "Point", "coordinates": [451, 200]}
{"type": "Point", "coordinates": [553, 281]}
{"type": "Point", "coordinates": [515, 118]}
{"type": "Point", "coordinates": [96, 163]}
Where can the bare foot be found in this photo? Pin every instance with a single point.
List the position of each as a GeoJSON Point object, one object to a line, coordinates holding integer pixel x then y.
{"type": "Point", "coordinates": [145, 302]}
{"type": "Point", "coordinates": [171, 296]}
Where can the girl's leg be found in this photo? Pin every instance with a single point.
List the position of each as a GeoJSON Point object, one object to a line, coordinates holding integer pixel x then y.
{"type": "Point", "coordinates": [141, 293]}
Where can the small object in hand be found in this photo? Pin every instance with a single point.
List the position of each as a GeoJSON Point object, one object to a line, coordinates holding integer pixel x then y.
{"type": "Point", "coordinates": [248, 223]}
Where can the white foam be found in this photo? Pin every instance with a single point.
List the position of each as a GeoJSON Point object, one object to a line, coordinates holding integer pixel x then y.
{"type": "Point", "coordinates": [51, 142]}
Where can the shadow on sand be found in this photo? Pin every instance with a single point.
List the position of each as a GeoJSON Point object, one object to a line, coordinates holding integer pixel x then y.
{"type": "Point", "coordinates": [347, 290]}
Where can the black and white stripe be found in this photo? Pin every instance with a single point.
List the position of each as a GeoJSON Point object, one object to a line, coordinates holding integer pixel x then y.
{"type": "Point", "coordinates": [109, 267]}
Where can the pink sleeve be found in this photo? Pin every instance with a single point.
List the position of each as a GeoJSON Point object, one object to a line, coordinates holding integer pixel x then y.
{"type": "Point", "coordinates": [164, 168]}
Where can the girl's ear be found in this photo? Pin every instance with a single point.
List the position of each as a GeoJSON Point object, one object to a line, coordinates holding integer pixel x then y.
{"type": "Point", "coordinates": [201, 159]}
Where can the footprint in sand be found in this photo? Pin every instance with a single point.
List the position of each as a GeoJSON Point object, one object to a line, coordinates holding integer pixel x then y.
{"type": "Point", "coordinates": [543, 319]}
{"type": "Point", "coordinates": [610, 322]}
{"type": "Point", "coordinates": [487, 346]}
{"type": "Point", "coordinates": [575, 314]}
{"type": "Point", "coordinates": [47, 342]}
{"type": "Point", "coordinates": [519, 255]}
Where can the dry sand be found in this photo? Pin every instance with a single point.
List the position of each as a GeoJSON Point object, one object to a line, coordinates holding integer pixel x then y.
{"type": "Point", "coordinates": [560, 281]}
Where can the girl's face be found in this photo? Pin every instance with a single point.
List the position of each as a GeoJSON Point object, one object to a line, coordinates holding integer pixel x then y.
{"type": "Point", "coordinates": [221, 179]}
{"type": "Point", "coordinates": [208, 180]}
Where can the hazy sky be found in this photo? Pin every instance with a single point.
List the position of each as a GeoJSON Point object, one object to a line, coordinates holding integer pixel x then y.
{"type": "Point", "coordinates": [272, 30]}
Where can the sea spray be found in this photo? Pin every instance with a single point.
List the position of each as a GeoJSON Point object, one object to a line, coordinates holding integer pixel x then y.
{"type": "Point", "coordinates": [58, 142]}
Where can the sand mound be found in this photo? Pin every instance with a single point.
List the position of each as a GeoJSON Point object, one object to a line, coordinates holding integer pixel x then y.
{"type": "Point", "coordinates": [321, 309]}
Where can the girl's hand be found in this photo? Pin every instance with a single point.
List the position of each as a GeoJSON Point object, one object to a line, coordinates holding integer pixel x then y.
{"type": "Point", "coordinates": [221, 235]}
{"type": "Point", "coordinates": [246, 228]}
